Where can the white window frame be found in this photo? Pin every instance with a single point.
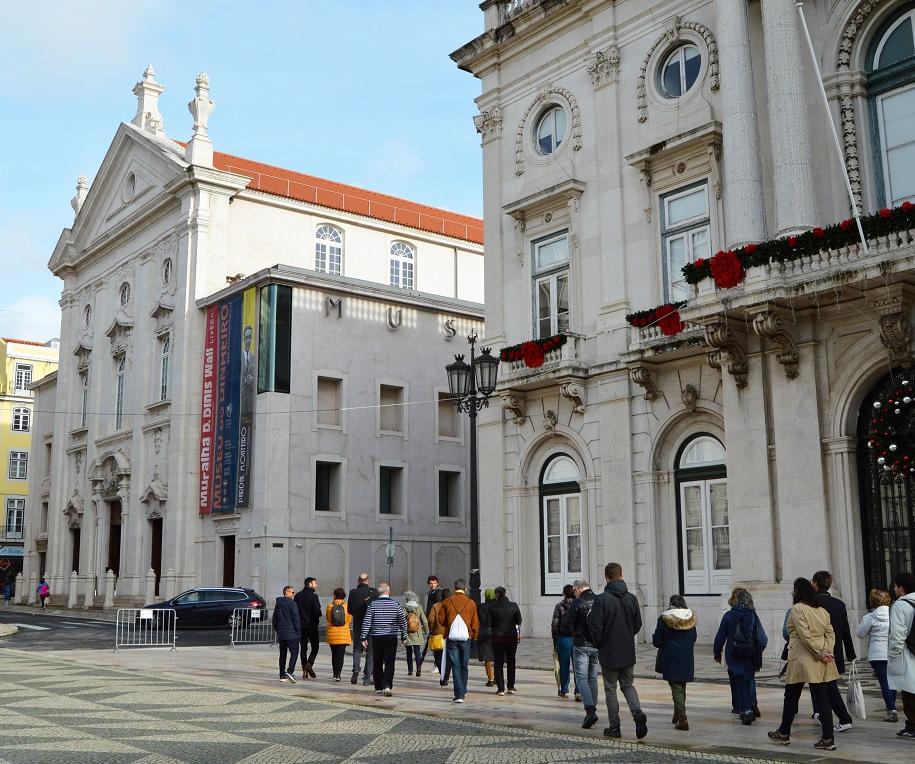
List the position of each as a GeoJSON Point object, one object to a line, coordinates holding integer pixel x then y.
{"type": "Point", "coordinates": [15, 508]}
{"type": "Point", "coordinates": [84, 397]}
{"type": "Point", "coordinates": [550, 113]}
{"type": "Point", "coordinates": [19, 460]}
{"type": "Point", "coordinates": [551, 275]}
{"type": "Point", "coordinates": [888, 33]}
{"type": "Point", "coordinates": [684, 229]}
{"type": "Point", "coordinates": [403, 254]}
{"type": "Point", "coordinates": [23, 378]}
{"type": "Point", "coordinates": [22, 416]}
{"type": "Point", "coordinates": [329, 249]}
{"type": "Point", "coordinates": [165, 345]}
{"type": "Point", "coordinates": [452, 469]}
{"type": "Point", "coordinates": [553, 582]}
{"type": "Point", "coordinates": [709, 580]}
{"type": "Point", "coordinates": [884, 158]}
{"type": "Point", "coordinates": [680, 53]}
{"type": "Point", "coordinates": [120, 390]}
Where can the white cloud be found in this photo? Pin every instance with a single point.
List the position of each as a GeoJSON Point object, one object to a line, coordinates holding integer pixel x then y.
{"type": "Point", "coordinates": [31, 318]}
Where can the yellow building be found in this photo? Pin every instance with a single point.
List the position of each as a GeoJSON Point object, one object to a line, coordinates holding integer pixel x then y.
{"type": "Point", "coordinates": [21, 363]}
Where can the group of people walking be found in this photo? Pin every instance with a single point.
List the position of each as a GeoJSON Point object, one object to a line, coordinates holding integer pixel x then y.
{"type": "Point", "coordinates": [595, 633]}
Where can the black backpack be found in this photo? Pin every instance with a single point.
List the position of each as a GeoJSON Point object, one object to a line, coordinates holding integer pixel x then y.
{"type": "Point", "coordinates": [743, 645]}
{"type": "Point", "coordinates": [338, 615]}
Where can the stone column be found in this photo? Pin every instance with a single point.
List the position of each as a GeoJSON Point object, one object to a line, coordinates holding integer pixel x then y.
{"type": "Point", "coordinates": [151, 587]}
{"type": "Point", "coordinates": [73, 594]}
{"type": "Point", "coordinates": [19, 592]}
{"type": "Point", "coordinates": [108, 602]}
{"type": "Point", "coordinates": [795, 208]}
{"type": "Point", "coordinates": [744, 212]}
{"type": "Point", "coordinates": [33, 585]}
{"type": "Point", "coordinates": [90, 524]}
{"type": "Point", "coordinates": [129, 573]}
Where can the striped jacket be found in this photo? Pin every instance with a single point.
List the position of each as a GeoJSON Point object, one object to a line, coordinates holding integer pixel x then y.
{"type": "Point", "coordinates": [384, 618]}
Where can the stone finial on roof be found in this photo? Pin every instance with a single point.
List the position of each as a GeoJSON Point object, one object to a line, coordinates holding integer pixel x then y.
{"type": "Point", "coordinates": [147, 92]}
{"type": "Point", "coordinates": [199, 149]}
{"type": "Point", "coordinates": [82, 188]}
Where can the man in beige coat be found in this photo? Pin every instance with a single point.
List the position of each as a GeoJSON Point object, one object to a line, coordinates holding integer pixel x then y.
{"type": "Point", "coordinates": [900, 667]}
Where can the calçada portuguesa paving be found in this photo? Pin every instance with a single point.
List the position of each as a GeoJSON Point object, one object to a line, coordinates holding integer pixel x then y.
{"type": "Point", "coordinates": [207, 704]}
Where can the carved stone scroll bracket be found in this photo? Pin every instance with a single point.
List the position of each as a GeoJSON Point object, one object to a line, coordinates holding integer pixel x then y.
{"type": "Point", "coordinates": [769, 324]}
{"type": "Point", "coordinates": [690, 396]}
{"type": "Point", "coordinates": [727, 348]}
{"type": "Point", "coordinates": [575, 392]}
{"type": "Point", "coordinates": [520, 227]}
{"type": "Point", "coordinates": [515, 406]}
{"type": "Point", "coordinates": [895, 327]}
{"type": "Point", "coordinates": [644, 377]}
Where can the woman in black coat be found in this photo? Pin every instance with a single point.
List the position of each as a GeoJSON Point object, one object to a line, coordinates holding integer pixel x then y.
{"type": "Point", "coordinates": [675, 638]}
{"type": "Point", "coordinates": [503, 618]}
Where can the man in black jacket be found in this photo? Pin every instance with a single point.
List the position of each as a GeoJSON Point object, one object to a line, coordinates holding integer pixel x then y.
{"type": "Point", "coordinates": [584, 653]}
{"type": "Point", "coordinates": [615, 620]}
{"type": "Point", "coordinates": [288, 632]}
{"type": "Point", "coordinates": [844, 646]}
{"type": "Point", "coordinates": [309, 614]}
{"type": "Point", "coordinates": [356, 605]}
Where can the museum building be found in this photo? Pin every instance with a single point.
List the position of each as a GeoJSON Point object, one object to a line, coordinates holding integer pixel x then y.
{"type": "Point", "coordinates": [706, 374]}
{"type": "Point", "coordinates": [252, 383]}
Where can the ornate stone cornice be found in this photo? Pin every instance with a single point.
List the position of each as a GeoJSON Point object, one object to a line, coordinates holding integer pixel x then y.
{"type": "Point", "coordinates": [604, 67]}
{"type": "Point", "coordinates": [644, 377]}
{"type": "Point", "coordinates": [769, 324]}
{"type": "Point", "coordinates": [575, 392]}
{"type": "Point", "coordinates": [727, 349]}
{"type": "Point", "coordinates": [542, 97]}
{"type": "Point", "coordinates": [489, 124]}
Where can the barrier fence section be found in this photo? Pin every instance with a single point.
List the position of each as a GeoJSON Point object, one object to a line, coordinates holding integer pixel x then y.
{"type": "Point", "coordinates": [251, 626]}
{"type": "Point", "coordinates": [145, 627]}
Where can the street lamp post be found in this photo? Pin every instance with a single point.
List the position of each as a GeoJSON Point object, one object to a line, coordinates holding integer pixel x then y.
{"type": "Point", "coordinates": [471, 385]}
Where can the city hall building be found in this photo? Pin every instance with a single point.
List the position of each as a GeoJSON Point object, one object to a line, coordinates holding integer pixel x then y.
{"type": "Point", "coordinates": [252, 383]}
{"type": "Point", "coordinates": [706, 375]}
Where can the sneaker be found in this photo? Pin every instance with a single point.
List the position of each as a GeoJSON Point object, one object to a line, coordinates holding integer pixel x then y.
{"type": "Point", "coordinates": [641, 724]}
{"type": "Point", "coordinates": [290, 677]}
{"type": "Point", "coordinates": [284, 679]}
{"type": "Point", "coordinates": [354, 679]}
{"type": "Point", "coordinates": [388, 692]}
{"type": "Point", "coordinates": [590, 719]}
{"type": "Point", "coordinates": [563, 695]}
{"type": "Point", "coordinates": [337, 679]}
{"type": "Point", "coordinates": [815, 717]}
{"type": "Point", "coordinates": [891, 716]}
{"type": "Point", "coordinates": [906, 733]}
{"type": "Point", "coordinates": [612, 732]}
{"type": "Point", "coordinates": [500, 693]}
{"type": "Point", "coordinates": [379, 692]}
{"type": "Point", "coordinates": [825, 744]}
{"type": "Point", "coordinates": [490, 683]}
{"type": "Point", "coordinates": [366, 681]}
{"type": "Point", "coordinates": [458, 700]}
{"type": "Point", "coordinates": [747, 718]}
{"type": "Point", "coordinates": [512, 691]}
{"type": "Point", "coordinates": [841, 727]}
{"type": "Point", "coordinates": [310, 671]}
{"type": "Point", "coordinates": [777, 737]}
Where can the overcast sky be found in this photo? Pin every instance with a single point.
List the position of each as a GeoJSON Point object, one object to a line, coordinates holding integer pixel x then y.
{"type": "Point", "coordinates": [358, 91]}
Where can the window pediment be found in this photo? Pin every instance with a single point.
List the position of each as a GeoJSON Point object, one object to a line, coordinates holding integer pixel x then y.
{"type": "Point", "coordinates": [162, 314]}
{"type": "Point", "coordinates": [119, 333]}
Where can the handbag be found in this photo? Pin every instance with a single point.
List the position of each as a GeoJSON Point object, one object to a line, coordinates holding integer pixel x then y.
{"type": "Point", "coordinates": [854, 695]}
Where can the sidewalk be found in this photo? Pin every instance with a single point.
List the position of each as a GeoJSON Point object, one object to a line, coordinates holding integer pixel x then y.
{"type": "Point", "coordinates": [536, 706]}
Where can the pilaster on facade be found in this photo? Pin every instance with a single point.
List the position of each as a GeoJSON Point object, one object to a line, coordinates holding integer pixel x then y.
{"type": "Point", "coordinates": [771, 324]}
{"type": "Point", "coordinates": [727, 349]}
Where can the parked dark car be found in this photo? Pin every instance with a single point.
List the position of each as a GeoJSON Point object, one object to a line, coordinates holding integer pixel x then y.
{"type": "Point", "coordinates": [207, 607]}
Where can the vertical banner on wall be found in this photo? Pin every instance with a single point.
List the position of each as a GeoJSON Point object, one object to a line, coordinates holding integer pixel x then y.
{"type": "Point", "coordinates": [248, 382]}
{"type": "Point", "coordinates": [208, 410]}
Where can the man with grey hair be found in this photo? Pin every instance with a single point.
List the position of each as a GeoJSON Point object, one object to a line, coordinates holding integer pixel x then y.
{"type": "Point", "coordinates": [585, 662]}
{"type": "Point", "coordinates": [384, 623]}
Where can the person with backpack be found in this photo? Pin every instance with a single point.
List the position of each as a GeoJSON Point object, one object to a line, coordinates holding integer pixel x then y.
{"type": "Point", "coordinates": [742, 639]}
{"type": "Point", "coordinates": [309, 605]}
{"type": "Point", "coordinates": [811, 661]}
{"type": "Point", "coordinates": [584, 654]}
{"type": "Point", "coordinates": [675, 638]}
{"type": "Point", "coordinates": [616, 619]}
{"type": "Point", "coordinates": [562, 642]}
{"type": "Point", "coordinates": [287, 625]}
{"type": "Point", "coordinates": [875, 627]}
{"type": "Point", "coordinates": [44, 592]}
{"type": "Point", "coordinates": [502, 620]}
{"type": "Point", "coordinates": [357, 604]}
{"type": "Point", "coordinates": [460, 624]}
{"type": "Point", "coordinates": [417, 631]}
{"type": "Point", "coordinates": [900, 649]}
{"type": "Point", "coordinates": [338, 636]}
{"type": "Point", "coordinates": [843, 648]}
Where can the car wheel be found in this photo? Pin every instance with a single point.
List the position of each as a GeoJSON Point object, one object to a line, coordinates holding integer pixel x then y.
{"type": "Point", "coordinates": [233, 621]}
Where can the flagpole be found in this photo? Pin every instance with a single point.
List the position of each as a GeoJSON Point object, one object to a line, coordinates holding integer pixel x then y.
{"type": "Point", "coordinates": [856, 213]}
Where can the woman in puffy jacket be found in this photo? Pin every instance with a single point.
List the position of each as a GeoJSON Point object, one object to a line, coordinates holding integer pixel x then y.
{"type": "Point", "coordinates": [876, 627]}
{"type": "Point", "coordinates": [675, 638]}
{"type": "Point", "coordinates": [338, 637]}
{"type": "Point", "coordinates": [417, 638]}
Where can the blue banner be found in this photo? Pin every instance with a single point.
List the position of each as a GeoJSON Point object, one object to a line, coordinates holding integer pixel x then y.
{"type": "Point", "coordinates": [228, 385]}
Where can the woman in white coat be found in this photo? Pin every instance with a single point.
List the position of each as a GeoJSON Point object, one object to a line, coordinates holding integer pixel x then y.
{"type": "Point", "coordinates": [900, 666]}
{"type": "Point", "coordinates": [875, 627]}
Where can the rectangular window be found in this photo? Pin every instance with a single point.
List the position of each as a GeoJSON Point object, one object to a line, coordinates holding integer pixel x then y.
{"type": "Point", "coordinates": [15, 518]}
{"type": "Point", "coordinates": [685, 236]}
{"type": "Point", "coordinates": [23, 377]}
{"type": "Point", "coordinates": [896, 113]}
{"type": "Point", "coordinates": [275, 339]}
{"type": "Point", "coordinates": [449, 418]}
{"type": "Point", "coordinates": [449, 494]}
{"type": "Point", "coordinates": [390, 490]}
{"type": "Point", "coordinates": [119, 392]}
{"type": "Point", "coordinates": [390, 412]}
{"type": "Point", "coordinates": [705, 536]}
{"type": "Point", "coordinates": [327, 400]}
{"type": "Point", "coordinates": [22, 419]}
{"type": "Point", "coordinates": [164, 354]}
{"type": "Point", "coordinates": [551, 285]}
{"type": "Point", "coordinates": [327, 487]}
{"type": "Point", "coordinates": [19, 462]}
{"type": "Point", "coordinates": [84, 397]}
{"type": "Point", "coordinates": [561, 541]}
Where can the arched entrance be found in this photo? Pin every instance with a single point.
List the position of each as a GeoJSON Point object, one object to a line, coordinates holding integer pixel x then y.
{"type": "Point", "coordinates": [560, 523]}
{"type": "Point", "coordinates": [886, 470]}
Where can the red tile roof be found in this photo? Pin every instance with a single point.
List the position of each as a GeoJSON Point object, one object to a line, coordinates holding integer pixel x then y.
{"type": "Point", "coordinates": [338, 196]}
{"type": "Point", "coordinates": [24, 342]}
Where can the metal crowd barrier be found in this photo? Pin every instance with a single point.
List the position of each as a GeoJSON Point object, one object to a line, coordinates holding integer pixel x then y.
{"type": "Point", "coordinates": [145, 627]}
{"type": "Point", "coordinates": [251, 626]}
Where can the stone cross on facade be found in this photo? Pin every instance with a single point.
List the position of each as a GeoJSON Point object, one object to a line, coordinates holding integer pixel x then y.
{"type": "Point", "coordinates": [199, 149]}
{"type": "Point", "coordinates": [147, 92]}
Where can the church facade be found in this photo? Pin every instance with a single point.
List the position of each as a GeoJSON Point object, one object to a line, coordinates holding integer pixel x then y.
{"type": "Point", "coordinates": [706, 374]}
{"type": "Point", "coordinates": [252, 386]}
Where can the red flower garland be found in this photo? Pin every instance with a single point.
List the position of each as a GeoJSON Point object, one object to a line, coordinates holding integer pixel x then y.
{"type": "Point", "coordinates": [532, 354]}
{"type": "Point", "coordinates": [668, 318]}
{"type": "Point", "coordinates": [726, 270]}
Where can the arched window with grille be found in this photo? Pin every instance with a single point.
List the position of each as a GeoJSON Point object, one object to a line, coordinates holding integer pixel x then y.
{"type": "Point", "coordinates": [329, 250]}
{"type": "Point", "coordinates": [403, 263]}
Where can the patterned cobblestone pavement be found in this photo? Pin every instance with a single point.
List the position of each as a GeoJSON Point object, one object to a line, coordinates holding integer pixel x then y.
{"type": "Point", "coordinates": [53, 711]}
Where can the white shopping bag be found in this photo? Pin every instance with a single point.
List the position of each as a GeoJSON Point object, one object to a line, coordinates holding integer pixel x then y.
{"type": "Point", "coordinates": [854, 697]}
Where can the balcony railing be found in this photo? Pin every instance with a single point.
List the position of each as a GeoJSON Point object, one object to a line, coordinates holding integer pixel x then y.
{"type": "Point", "coordinates": [565, 359]}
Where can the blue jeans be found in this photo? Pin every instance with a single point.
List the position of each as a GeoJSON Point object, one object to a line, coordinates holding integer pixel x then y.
{"type": "Point", "coordinates": [735, 695]}
{"type": "Point", "coordinates": [459, 658]}
{"type": "Point", "coordinates": [889, 696]}
{"type": "Point", "coordinates": [585, 664]}
{"type": "Point", "coordinates": [564, 653]}
{"type": "Point", "coordinates": [414, 652]}
{"type": "Point", "coordinates": [357, 657]}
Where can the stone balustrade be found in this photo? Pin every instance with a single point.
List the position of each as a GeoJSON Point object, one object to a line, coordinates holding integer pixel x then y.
{"type": "Point", "coordinates": [556, 362]}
